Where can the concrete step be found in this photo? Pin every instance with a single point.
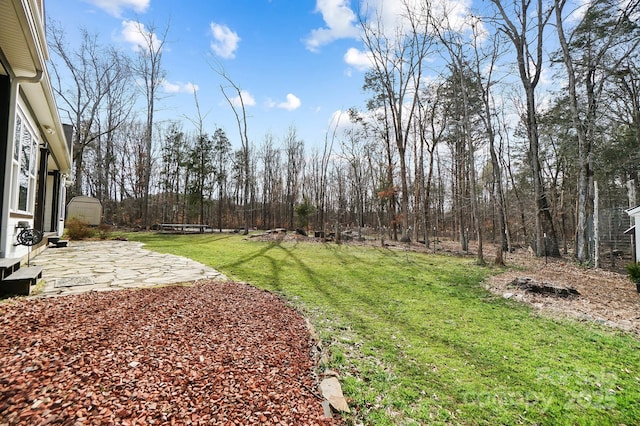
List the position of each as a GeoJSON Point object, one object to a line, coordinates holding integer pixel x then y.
{"type": "Point", "coordinates": [57, 242]}
{"type": "Point", "coordinates": [20, 281]}
{"type": "Point", "coordinates": [8, 266]}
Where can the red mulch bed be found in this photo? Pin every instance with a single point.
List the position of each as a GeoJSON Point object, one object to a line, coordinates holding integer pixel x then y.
{"type": "Point", "coordinates": [214, 353]}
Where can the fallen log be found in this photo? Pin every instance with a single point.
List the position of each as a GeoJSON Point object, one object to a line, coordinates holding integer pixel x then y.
{"type": "Point", "coordinates": [531, 285]}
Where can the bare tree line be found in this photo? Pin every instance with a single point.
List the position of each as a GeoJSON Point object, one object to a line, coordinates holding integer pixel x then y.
{"type": "Point", "coordinates": [472, 149]}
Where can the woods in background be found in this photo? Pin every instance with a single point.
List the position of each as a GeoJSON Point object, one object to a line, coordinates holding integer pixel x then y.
{"type": "Point", "coordinates": [473, 148]}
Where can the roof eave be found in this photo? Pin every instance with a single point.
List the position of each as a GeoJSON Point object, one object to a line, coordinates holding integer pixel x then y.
{"type": "Point", "coordinates": [634, 211]}
{"type": "Point", "coordinates": [24, 46]}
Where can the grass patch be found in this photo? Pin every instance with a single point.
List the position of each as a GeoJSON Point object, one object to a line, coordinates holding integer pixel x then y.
{"type": "Point", "coordinates": [417, 340]}
{"type": "Point", "coordinates": [39, 287]}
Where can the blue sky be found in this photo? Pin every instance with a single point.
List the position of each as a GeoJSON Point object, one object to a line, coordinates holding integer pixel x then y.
{"type": "Point", "coordinates": [299, 62]}
{"type": "Point", "coordinates": [296, 60]}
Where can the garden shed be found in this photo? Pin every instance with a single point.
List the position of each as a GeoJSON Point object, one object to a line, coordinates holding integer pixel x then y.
{"type": "Point", "coordinates": [86, 209]}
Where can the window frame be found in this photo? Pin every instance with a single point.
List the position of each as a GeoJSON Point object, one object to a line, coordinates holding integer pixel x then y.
{"type": "Point", "coordinates": [24, 165]}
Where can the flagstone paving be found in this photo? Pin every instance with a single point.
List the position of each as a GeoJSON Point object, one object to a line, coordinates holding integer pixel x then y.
{"type": "Point", "coordinates": [85, 266]}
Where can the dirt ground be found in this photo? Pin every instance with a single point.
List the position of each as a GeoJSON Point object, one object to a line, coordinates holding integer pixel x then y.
{"type": "Point", "coordinates": [606, 297]}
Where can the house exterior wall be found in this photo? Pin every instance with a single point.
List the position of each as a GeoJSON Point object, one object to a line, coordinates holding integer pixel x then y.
{"type": "Point", "coordinates": [5, 111]}
{"type": "Point", "coordinates": [635, 215]}
{"type": "Point", "coordinates": [636, 220]}
{"type": "Point", "coordinates": [30, 128]}
{"type": "Point", "coordinates": [20, 190]}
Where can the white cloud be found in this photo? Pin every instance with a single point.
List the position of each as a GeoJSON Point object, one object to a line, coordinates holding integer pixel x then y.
{"type": "Point", "coordinates": [247, 99]}
{"type": "Point", "coordinates": [357, 59]}
{"type": "Point", "coordinates": [340, 123]}
{"type": "Point", "coordinates": [179, 87]}
{"type": "Point", "coordinates": [225, 41]}
{"type": "Point", "coordinates": [340, 23]}
{"type": "Point", "coordinates": [116, 7]}
{"type": "Point", "coordinates": [392, 16]}
{"type": "Point", "coordinates": [457, 14]}
{"type": "Point", "coordinates": [292, 103]}
{"type": "Point", "coordinates": [136, 34]}
{"type": "Point", "coordinates": [576, 14]}
{"type": "Point", "coordinates": [340, 120]}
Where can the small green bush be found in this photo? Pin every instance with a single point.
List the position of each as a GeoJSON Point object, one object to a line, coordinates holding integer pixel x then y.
{"type": "Point", "coordinates": [634, 272]}
{"type": "Point", "coordinates": [78, 230]}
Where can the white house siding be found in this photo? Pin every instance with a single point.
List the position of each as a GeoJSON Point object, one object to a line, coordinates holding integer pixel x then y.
{"type": "Point", "coordinates": [21, 183]}
{"type": "Point", "coordinates": [26, 98]}
{"type": "Point", "coordinates": [635, 215]}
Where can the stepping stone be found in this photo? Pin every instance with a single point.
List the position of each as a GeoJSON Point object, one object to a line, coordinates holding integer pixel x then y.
{"type": "Point", "coordinates": [332, 391]}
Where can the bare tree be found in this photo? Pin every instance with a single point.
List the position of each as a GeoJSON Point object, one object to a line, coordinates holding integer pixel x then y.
{"type": "Point", "coordinates": [322, 181]}
{"type": "Point", "coordinates": [294, 151]}
{"type": "Point", "coordinates": [97, 75]}
{"type": "Point", "coordinates": [119, 102]}
{"type": "Point", "coordinates": [148, 69]}
{"type": "Point", "coordinates": [528, 42]}
{"type": "Point", "coordinates": [378, 127]}
{"type": "Point", "coordinates": [431, 123]}
{"type": "Point", "coordinates": [130, 148]}
{"type": "Point", "coordinates": [483, 66]}
{"type": "Point", "coordinates": [237, 104]}
{"type": "Point", "coordinates": [398, 55]}
{"type": "Point", "coordinates": [271, 181]}
{"type": "Point", "coordinates": [624, 93]}
{"type": "Point", "coordinates": [354, 151]}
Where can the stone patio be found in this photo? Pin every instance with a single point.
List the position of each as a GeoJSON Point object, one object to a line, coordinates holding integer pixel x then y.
{"type": "Point", "coordinates": [86, 266]}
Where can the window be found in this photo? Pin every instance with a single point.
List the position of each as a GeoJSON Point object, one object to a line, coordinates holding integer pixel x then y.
{"type": "Point", "coordinates": [24, 166]}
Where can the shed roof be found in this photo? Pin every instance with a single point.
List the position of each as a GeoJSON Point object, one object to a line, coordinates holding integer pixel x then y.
{"type": "Point", "coordinates": [85, 199]}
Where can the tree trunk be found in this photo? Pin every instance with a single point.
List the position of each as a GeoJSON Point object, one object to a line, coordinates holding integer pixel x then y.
{"type": "Point", "coordinates": [404, 203]}
{"type": "Point", "coordinates": [529, 58]}
{"type": "Point", "coordinates": [582, 239]}
{"type": "Point", "coordinates": [546, 240]}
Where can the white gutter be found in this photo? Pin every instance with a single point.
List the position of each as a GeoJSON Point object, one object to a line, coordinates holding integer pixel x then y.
{"type": "Point", "coordinates": [24, 79]}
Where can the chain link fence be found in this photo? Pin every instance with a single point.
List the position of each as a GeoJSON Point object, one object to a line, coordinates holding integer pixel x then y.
{"type": "Point", "coordinates": [614, 247]}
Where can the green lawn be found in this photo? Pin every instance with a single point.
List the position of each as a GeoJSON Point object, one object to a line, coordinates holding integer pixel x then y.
{"type": "Point", "coordinates": [417, 340]}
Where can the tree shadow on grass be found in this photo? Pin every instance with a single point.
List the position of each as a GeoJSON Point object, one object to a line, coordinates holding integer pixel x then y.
{"type": "Point", "coordinates": [377, 312]}
{"type": "Point", "coordinates": [415, 320]}
{"type": "Point", "coordinates": [349, 301]}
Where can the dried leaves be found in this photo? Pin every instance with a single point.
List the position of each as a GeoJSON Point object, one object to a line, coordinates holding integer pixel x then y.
{"type": "Point", "coordinates": [216, 353]}
{"type": "Point", "coordinates": [605, 297]}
